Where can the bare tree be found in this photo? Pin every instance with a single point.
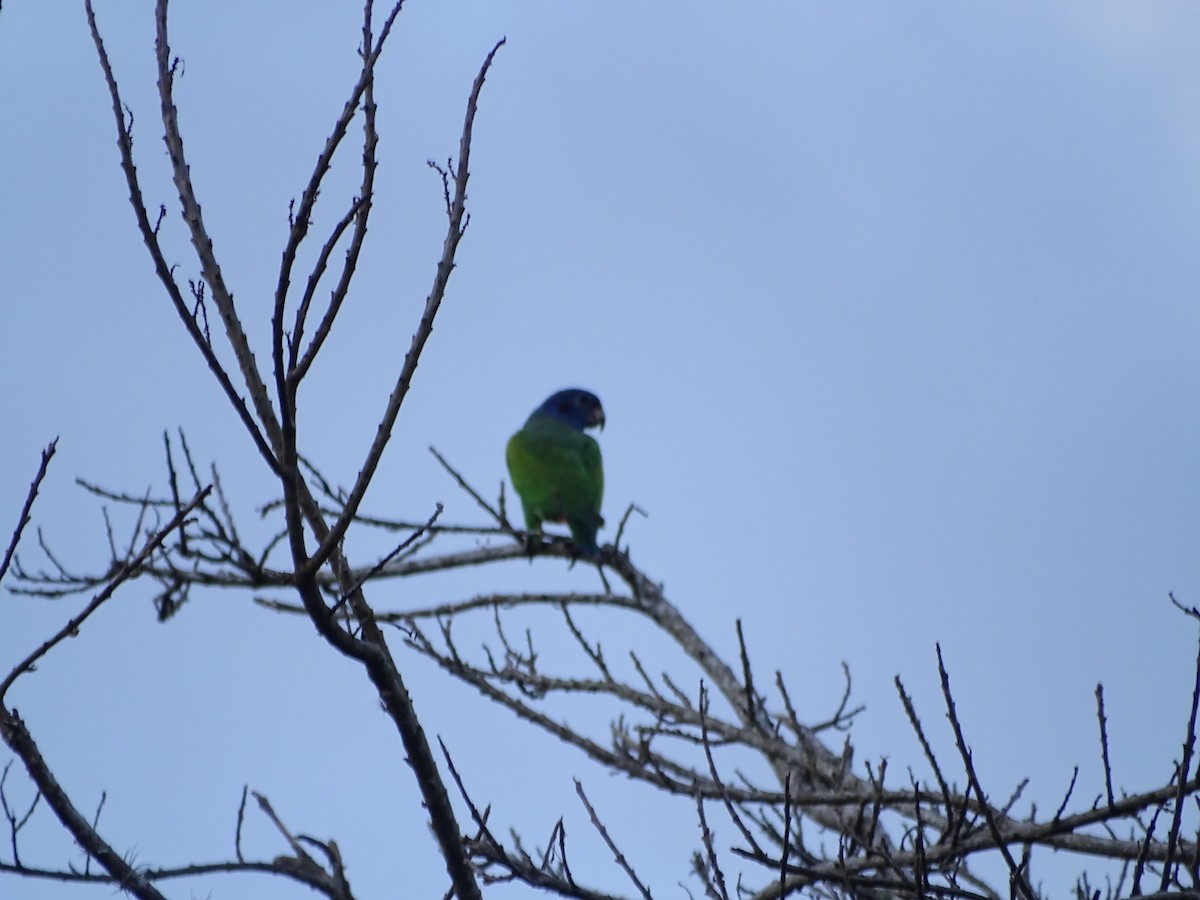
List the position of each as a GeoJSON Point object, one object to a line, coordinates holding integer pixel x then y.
{"type": "Point", "coordinates": [807, 819]}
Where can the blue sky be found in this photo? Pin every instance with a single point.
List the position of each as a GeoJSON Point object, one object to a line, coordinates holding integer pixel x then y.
{"type": "Point", "coordinates": [892, 311]}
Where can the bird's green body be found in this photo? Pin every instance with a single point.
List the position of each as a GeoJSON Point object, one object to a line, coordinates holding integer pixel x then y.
{"type": "Point", "coordinates": [557, 472]}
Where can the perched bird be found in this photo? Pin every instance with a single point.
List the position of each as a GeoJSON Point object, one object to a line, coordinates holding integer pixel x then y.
{"type": "Point", "coordinates": [556, 468]}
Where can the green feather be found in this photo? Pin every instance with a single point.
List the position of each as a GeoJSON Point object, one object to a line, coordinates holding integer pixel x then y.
{"type": "Point", "coordinates": [557, 473]}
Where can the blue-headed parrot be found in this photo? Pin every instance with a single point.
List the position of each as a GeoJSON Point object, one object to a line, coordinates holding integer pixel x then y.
{"type": "Point", "coordinates": [555, 466]}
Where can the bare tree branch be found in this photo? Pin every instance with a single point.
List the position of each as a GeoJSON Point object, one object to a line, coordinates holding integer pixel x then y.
{"type": "Point", "coordinates": [18, 738]}
{"type": "Point", "coordinates": [149, 232]}
{"type": "Point", "coordinates": [23, 519]}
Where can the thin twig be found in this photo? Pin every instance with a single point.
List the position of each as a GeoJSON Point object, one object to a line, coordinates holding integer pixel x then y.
{"type": "Point", "coordinates": [1018, 879]}
{"type": "Point", "coordinates": [18, 738]}
{"type": "Point", "coordinates": [1108, 786]}
{"type": "Point", "coordinates": [403, 545]}
{"type": "Point", "coordinates": [24, 518]}
{"type": "Point", "coordinates": [1185, 766]}
{"type": "Point", "coordinates": [462, 483]}
{"type": "Point", "coordinates": [123, 574]}
{"type": "Point", "coordinates": [617, 854]}
{"type": "Point", "coordinates": [706, 838]}
{"type": "Point", "coordinates": [149, 232]}
{"type": "Point", "coordinates": [911, 711]}
{"type": "Point", "coordinates": [433, 302]}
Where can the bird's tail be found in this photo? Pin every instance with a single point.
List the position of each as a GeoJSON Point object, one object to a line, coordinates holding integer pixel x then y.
{"type": "Point", "coordinates": [584, 535]}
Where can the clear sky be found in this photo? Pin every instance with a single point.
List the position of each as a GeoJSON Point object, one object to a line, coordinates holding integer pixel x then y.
{"type": "Point", "coordinates": [892, 309]}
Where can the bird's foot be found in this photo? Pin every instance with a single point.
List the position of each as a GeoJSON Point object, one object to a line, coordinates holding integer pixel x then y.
{"type": "Point", "coordinates": [531, 542]}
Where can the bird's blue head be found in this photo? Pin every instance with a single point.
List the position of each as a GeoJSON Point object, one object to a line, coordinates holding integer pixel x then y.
{"type": "Point", "coordinates": [578, 408]}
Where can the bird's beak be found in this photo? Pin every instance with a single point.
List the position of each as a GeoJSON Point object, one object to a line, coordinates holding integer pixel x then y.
{"type": "Point", "coordinates": [598, 418]}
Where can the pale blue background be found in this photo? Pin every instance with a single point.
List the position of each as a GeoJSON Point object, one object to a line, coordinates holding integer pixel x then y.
{"type": "Point", "coordinates": [892, 308]}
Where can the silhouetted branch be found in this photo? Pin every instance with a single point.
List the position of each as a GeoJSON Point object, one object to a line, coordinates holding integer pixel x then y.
{"type": "Point", "coordinates": [149, 231]}
{"type": "Point", "coordinates": [1103, 720]}
{"type": "Point", "coordinates": [17, 736]}
{"type": "Point", "coordinates": [1185, 767]}
{"type": "Point", "coordinates": [23, 519]}
{"type": "Point", "coordinates": [433, 302]}
{"type": "Point", "coordinates": [1015, 872]}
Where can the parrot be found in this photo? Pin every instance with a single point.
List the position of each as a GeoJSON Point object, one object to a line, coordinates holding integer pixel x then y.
{"type": "Point", "coordinates": [556, 469]}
